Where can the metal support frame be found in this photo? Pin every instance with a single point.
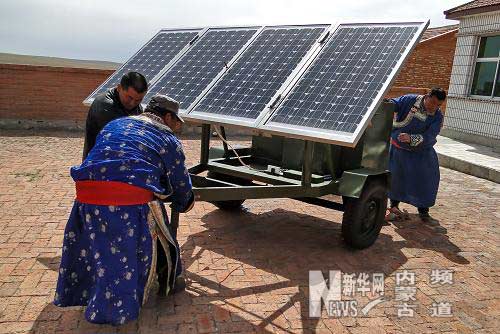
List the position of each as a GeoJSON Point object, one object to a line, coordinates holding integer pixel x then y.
{"type": "Point", "coordinates": [307, 164]}
{"type": "Point", "coordinates": [274, 186]}
{"type": "Point", "coordinates": [205, 143]}
{"type": "Point", "coordinates": [244, 173]}
{"type": "Point", "coordinates": [224, 144]}
{"type": "Point", "coordinates": [223, 193]}
{"type": "Point", "coordinates": [271, 178]}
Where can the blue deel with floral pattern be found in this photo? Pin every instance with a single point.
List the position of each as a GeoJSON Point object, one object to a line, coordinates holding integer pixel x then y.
{"type": "Point", "coordinates": [108, 250]}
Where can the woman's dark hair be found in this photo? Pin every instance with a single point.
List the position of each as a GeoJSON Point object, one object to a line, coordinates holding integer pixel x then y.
{"type": "Point", "coordinates": [439, 93]}
{"type": "Point", "coordinates": [135, 80]}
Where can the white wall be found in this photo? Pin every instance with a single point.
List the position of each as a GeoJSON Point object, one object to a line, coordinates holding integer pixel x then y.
{"type": "Point", "coordinates": [465, 114]}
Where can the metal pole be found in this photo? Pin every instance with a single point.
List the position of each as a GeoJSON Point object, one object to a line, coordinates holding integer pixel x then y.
{"type": "Point", "coordinates": [223, 134]}
{"type": "Point", "coordinates": [307, 164]}
{"type": "Point", "coordinates": [205, 143]}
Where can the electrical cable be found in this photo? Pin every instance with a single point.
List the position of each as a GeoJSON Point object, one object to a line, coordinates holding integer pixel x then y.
{"type": "Point", "coordinates": [235, 153]}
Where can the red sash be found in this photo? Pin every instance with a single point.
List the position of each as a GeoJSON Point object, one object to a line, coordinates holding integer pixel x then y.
{"type": "Point", "coordinates": [111, 193]}
{"type": "Point", "coordinates": [395, 144]}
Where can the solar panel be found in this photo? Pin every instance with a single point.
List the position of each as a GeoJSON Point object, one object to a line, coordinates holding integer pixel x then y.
{"type": "Point", "coordinates": [197, 68]}
{"type": "Point", "coordinates": [337, 93]}
{"type": "Point", "coordinates": [259, 72]}
{"type": "Point", "coordinates": [151, 58]}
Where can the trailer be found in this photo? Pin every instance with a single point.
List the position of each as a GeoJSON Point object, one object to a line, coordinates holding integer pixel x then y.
{"type": "Point", "coordinates": [306, 171]}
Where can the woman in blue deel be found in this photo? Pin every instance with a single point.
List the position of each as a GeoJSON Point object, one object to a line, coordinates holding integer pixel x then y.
{"type": "Point", "coordinates": [413, 161]}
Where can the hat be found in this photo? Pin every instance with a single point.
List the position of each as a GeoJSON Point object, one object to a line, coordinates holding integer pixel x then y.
{"type": "Point", "coordinates": [163, 103]}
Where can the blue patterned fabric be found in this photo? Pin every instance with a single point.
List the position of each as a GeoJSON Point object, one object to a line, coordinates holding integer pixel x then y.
{"type": "Point", "coordinates": [415, 167]}
{"type": "Point", "coordinates": [108, 250]}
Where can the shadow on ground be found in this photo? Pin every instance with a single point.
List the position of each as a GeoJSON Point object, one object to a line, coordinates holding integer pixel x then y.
{"type": "Point", "coordinates": [283, 243]}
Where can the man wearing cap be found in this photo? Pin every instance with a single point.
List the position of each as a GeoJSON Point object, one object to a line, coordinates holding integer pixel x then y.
{"type": "Point", "coordinates": [120, 101]}
{"type": "Point", "coordinates": [117, 238]}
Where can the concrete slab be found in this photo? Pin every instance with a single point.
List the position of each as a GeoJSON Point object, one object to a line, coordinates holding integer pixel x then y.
{"type": "Point", "coordinates": [473, 159]}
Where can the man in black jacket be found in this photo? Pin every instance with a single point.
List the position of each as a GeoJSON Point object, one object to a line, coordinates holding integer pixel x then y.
{"type": "Point", "coordinates": [123, 100]}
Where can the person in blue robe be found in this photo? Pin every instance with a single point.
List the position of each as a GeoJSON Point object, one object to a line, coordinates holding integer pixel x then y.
{"type": "Point", "coordinates": [118, 240]}
{"type": "Point", "coordinates": [413, 162]}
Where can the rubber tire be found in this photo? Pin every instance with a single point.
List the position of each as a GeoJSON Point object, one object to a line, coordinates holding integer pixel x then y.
{"type": "Point", "coordinates": [355, 209]}
{"type": "Point", "coordinates": [228, 205]}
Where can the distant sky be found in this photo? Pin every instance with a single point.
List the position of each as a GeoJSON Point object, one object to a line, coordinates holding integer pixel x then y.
{"type": "Point", "coordinates": [113, 30]}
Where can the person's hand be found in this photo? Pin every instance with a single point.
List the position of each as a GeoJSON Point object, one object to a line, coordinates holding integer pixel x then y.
{"type": "Point", "coordinates": [404, 137]}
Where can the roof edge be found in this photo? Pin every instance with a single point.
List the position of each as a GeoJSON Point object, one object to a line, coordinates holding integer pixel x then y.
{"type": "Point", "coordinates": [479, 10]}
{"type": "Point", "coordinates": [446, 12]}
{"type": "Point", "coordinates": [35, 60]}
{"type": "Point", "coordinates": [440, 35]}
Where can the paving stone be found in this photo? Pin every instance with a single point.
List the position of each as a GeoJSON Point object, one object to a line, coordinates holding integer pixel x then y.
{"type": "Point", "coordinates": [248, 271]}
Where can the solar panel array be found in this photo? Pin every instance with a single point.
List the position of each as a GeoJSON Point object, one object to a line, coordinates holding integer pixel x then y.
{"type": "Point", "coordinates": [259, 72]}
{"type": "Point", "coordinates": [278, 79]}
{"type": "Point", "coordinates": [187, 79]}
{"type": "Point", "coordinates": [152, 58]}
{"type": "Point", "coordinates": [337, 90]}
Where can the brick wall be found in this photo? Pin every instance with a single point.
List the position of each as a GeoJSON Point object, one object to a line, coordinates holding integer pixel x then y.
{"type": "Point", "coordinates": [428, 66]}
{"type": "Point", "coordinates": [51, 95]}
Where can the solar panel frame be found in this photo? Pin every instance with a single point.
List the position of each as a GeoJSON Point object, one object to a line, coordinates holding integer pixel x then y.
{"type": "Point", "coordinates": [223, 70]}
{"type": "Point", "coordinates": [331, 136]}
{"type": "Point", "coordinates": [89, 99]}
{"type": "Point", "coordinates": [202, 117]}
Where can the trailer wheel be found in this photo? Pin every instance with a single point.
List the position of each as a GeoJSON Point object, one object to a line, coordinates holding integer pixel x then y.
{"type": "Point", "coordinates": [364, 216]}
{"type": "Point", "coordinates": [233, 204]}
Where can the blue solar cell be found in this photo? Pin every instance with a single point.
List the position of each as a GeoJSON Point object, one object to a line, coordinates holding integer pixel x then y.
{"type": "Point", "coordinates": [338, 88]}
{"type": "Point", "coordinates": [152, 58]}
{"type": "Point", "coordinates": [259, 72]}
{"type": "Point", "coordinates": [187, 79]}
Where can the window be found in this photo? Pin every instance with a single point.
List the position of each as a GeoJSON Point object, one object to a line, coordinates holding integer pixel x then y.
{"type": "Point", "coordinates": [486, 80]}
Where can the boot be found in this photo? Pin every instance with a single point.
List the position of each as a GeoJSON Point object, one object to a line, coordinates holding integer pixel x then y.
{"type": "Point", "coordinates": [426, 218]}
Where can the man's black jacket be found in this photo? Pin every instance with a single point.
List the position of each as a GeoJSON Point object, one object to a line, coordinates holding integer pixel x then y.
{"type": "Point", "coordinates": [104, 109]}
